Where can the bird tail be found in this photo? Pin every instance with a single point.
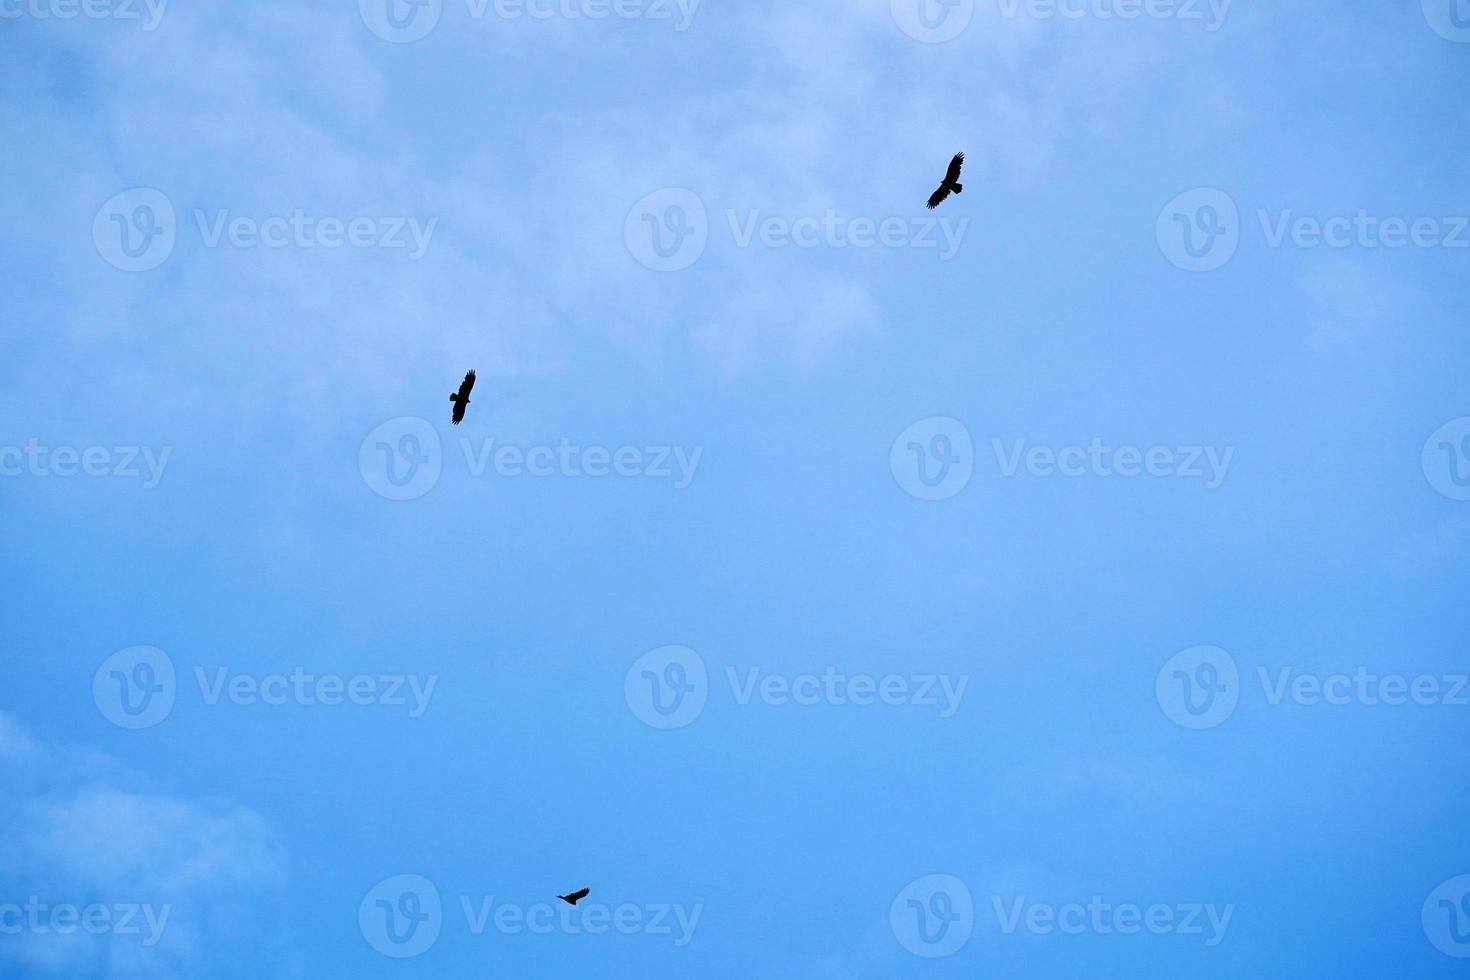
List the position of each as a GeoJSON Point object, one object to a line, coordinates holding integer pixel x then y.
{"type": "Point", "coordinates": [959, 188]}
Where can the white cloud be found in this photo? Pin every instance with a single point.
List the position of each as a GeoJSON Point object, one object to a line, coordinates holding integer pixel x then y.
{"type": "Point", "coordinates": [80, 829]}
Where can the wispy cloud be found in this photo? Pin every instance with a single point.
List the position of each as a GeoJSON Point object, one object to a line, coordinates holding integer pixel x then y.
{"type": "Point", "coordinates": [84, 832]}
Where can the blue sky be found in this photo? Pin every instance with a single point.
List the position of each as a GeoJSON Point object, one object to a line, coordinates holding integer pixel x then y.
{"type": "Point", "coordinates": [1068, 582]}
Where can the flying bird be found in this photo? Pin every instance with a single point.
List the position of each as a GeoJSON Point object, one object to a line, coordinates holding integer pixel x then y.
{"type": "Point", "coordinates": [951, 182]}
{"type": "Point", "coordinates": [462, 398]}
{"type": "Point", "coordinates": [575, 897]}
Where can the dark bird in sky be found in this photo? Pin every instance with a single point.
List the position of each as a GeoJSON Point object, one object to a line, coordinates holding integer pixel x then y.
{"type": "Point", "coordinates": [462, 398]}
{"type": "Point", "coordinates": [951, 182]}
{"type": "Point", "coordinates": [575, 897]}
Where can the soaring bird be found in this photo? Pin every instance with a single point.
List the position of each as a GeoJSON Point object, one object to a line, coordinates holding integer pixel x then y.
{"type": "Point", "coordinates": [575, 897]}
{"type": "Point", "coordinates": [951, 182]}
{"type": "Point", "coordinates": [462, 398]}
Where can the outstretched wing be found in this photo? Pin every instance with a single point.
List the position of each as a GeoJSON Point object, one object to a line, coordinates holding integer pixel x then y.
{"type": "Point", "coordinates": [463, 398]}
{"type": "Point", "coordinates": [954, 168]}
{"type": "Point", "coordinates": [938, 196]}
{"type": "Point", "coordinates": [576, 896]}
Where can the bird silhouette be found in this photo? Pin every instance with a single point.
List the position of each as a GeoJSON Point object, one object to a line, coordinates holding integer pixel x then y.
{"type": "Point", "coordinates": [575, 897]}
{"type": "Point", "coordinates": [462, 398]}
{"type": "Point", "coordinates": [951, 182]}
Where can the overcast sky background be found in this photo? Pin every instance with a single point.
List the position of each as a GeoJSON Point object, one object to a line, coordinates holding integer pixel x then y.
{"type": "Point", "coordinates": [1308, 509]}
